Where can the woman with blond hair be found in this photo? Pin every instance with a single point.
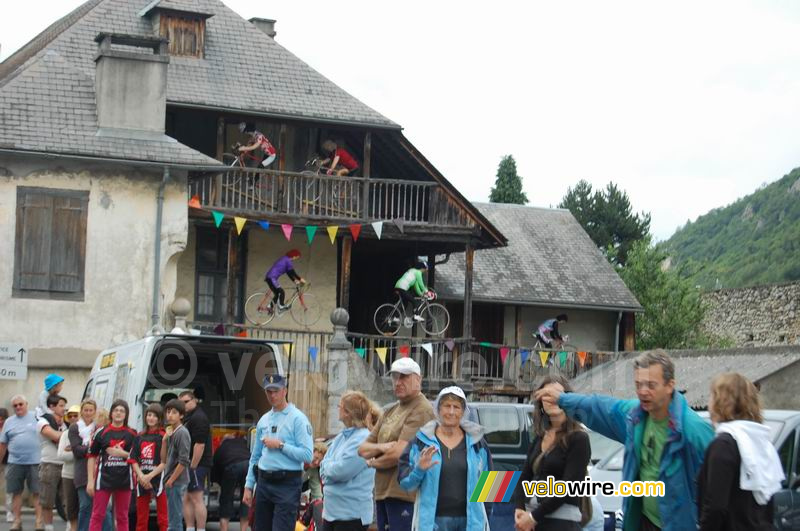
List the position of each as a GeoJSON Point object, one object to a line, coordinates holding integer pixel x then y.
{"type": "Point", "coordinates": [741, 470]}
{"type": "Point", "coordinates": [347, 481]}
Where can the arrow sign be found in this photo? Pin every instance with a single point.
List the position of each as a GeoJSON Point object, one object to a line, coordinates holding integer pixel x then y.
{"type": "Point", "coordinates": [13, 362]}
{"type": "Point", "coordinates": [21, 353]}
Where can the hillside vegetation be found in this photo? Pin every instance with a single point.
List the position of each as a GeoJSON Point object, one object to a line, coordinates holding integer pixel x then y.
{"type": "Point", "coordinates": [755, 240]}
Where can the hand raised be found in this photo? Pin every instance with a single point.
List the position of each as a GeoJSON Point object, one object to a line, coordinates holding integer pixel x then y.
{"type": "Point", "coordinates": [426, 458]}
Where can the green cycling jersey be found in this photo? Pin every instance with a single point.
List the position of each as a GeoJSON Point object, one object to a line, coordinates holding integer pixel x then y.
{"type": "Point", "coordinates": [412, 279]}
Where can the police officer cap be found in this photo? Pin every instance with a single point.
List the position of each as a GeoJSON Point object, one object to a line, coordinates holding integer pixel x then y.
{"type": "Point", "coordinates": [274, 381]}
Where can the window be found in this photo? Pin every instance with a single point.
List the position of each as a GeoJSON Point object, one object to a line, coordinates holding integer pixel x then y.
{"type": "Point", "coordinates": [185, 32]}
{"type": "Point", "coordinates": [501, 425]}
{"type": "Point", "coordinates": [211, 288]}
{"type": "Point", "coordinates": [786, 452]}
{"type": "Point", "coordinates": [50, 248]}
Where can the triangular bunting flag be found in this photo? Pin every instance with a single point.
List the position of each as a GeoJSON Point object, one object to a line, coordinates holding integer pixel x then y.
{"type": "Point", "coordinates": [404, 350]}
{"type": "Point", "coordinates": [313, 351]}
{"type": "Point", "coordinates": [219, 329]}
{"type": "Point", "coordinates": [217, 217]}
{"type": "Point", "coordinates": [450, 344]}
{"type": "Point", "coordinates": [582, 358]}
{"type": "Point", "coordinates": [562, 358]}
{"type": "Point", "coordinates": [381, 351]}
{"type": "Point", "coordinates": [287, 349]}
{"type": "Point", "coordinates": [485, 344]}
{"type": "Point", "coordinates": [355, 230]}
{"type": "Point", "coordinates": [362, 352]}
{"type": "Point", "coordinates": [332, 233]}
{"type": "Point", "coordinates": [264, 224]}
{"type": "Point", "coordinates": [311, 230]}
{"type": "Point", "coordinates": [399, 223]}
{"type": "Point", "coordinates": [194, 202]}
{"type": "Point", "coordinates": [239, 224]}
{"type": "Point", "coordinates": [428, 347]}
{"type": "Point", "coordinates": [376, 226]}
{"type": "Point", "coordinates": [287, 231]}
{"type": "Point", "coordinates": [523, 355]}
{"type": "Point", "coordinates": [241, 333]}
{"type": "Point", "coordinates": [543, 355]}
{"type": "Point", "coordinates": [503, 353]}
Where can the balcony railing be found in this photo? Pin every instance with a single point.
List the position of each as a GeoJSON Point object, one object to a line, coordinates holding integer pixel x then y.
{"type": "Point", "coordinates": [308, 195]}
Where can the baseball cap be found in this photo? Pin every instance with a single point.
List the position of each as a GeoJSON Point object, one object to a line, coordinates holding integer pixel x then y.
{"type": "Point", "coordinates": [52, 380]}
{"type": "Point", "coordinates": [405, 366]}
{"type": "Point", "coordinates": [76, 409]}
{"type": "Point", "coordinates": [274, 381]}
{"type": "Point", "coordinates": [452, 390]}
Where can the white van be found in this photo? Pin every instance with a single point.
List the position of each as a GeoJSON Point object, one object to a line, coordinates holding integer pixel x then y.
{"type": "Point", "coordinates": [225, 373]}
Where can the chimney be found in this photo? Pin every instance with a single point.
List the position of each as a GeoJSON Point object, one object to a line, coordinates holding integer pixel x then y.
{"type": "Point", "coordinates": [131, 85]}
{"type": "Point", "coordinates": [267, 25]}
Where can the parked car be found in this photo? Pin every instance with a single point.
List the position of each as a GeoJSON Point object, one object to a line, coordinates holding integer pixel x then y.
{"type": "Point", "coordinates": [785, 430]}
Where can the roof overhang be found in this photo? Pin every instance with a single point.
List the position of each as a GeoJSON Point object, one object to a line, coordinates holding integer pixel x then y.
{"type": "Point", "coordinates": [544, 303]}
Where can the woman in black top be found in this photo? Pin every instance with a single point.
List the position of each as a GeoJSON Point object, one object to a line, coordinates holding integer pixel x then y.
{"type": "Point", "coordinates": [561, 450]}
{"type": "Point", "coordinates": [741, 449]}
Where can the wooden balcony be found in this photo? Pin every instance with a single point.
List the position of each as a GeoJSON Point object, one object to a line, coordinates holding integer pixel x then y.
{"type": "Point", "coordinates": [273, 194]}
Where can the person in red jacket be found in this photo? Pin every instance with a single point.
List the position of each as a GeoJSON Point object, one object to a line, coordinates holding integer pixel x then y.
{"type": "Point", "coordinates": [147, 464]}
{"type": "Point", "coordinates": [109, 468]}
{"type": "Point", "coordinates": [341, 161]}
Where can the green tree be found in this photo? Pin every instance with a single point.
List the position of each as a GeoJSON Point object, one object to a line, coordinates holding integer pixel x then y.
{"type": "Point", "coordinates": [673, 308]}
{"type": "Point", "coordinates": [607, 216]}
{"type": "Point", "coordinates": [508, 185]}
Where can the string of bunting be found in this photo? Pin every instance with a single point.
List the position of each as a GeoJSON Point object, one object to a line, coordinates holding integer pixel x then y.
{"type": "Point", "coordinates": [288, 229]}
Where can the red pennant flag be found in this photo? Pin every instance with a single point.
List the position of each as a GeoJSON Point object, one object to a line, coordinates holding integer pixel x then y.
{"type": "Point", "coordinates": [503, 353]}
{"type": "Point", "coordinates": [582, 358]}
{"type": "Point", "coordinates": [355, 230]}
{"type": "Point", "coordinates": [404, 350]}
{"type": "Point", "coordinates": [242, 333]}
{"type": "Point", "coordinates": [194, 202]}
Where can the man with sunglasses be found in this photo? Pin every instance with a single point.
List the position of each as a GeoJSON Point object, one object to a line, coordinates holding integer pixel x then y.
{"type": "Point", "coordinates": [20, 438]}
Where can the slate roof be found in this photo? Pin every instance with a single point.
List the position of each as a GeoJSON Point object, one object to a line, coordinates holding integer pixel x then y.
{"type": "Point", "coordinates": [549, 260]}
{"type": "Point", "coordinates": [694, 371]}
{"type": "Point", "coordinates": [244, 70]}
{"type": "Point", "coordinates": [49, 106]}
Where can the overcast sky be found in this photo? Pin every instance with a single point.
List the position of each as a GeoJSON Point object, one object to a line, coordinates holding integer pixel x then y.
{"type": "Point", "coordinates": [686, 105]}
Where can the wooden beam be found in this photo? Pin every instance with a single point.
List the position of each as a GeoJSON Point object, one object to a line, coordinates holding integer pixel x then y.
{"type": "Point", "coordinates": [469, 258]}
{"type": "Point", "coordinates": [220, 137]}
{"type": "Point", "coordinates": [366, 168]}
{"type": "Point", "coordinates": [344, 276]}
{"type": "Point", "coordinates": [518, 333]}
{"type": "Point", "coordinates": [233, 267]}
{"type": "Point", "coordinates": [629, 339]}
{"type": "Point", "coordinates": [432, 271]}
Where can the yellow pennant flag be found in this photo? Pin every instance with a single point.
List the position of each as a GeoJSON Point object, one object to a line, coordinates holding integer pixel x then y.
{"type": "Point", "coordinates": [287, 349]}
{"type": "Point", "coordinates": [543, 355]}
{"type": "Point", "coordinates": [239, 224]}
{"type": "Point", "coordinates": [381, 354]}
{"type": "Point", "coordinates": [332, 233]}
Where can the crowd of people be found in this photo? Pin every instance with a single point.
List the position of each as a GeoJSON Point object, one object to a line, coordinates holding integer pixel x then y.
{"type": "Point", "coordinates": [412, 466]}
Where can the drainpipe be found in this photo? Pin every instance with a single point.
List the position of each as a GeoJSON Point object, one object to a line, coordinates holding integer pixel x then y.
{"type": "Point", "coordinates": [154, 318]}
{"type": "Point", "coordinates": [616, 332]}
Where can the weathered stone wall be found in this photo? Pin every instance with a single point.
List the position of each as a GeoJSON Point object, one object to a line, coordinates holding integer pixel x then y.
{"type": "Point", "coordinates": [756, 316]}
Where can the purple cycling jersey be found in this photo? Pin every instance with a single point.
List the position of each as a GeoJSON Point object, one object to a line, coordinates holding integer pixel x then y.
{"type": "Point", "coordinates": [281, 267]}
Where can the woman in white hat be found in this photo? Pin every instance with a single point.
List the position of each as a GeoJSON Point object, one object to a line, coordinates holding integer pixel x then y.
{"type": "Point", "coordinates": [444, 464]}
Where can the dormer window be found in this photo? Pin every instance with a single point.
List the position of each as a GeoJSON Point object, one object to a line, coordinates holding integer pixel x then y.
{"type": "Point", "coordinates": [185, 30]}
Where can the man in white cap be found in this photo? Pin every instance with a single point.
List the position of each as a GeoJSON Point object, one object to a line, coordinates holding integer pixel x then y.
{"type": "Point", "coordinates": [397, 427]}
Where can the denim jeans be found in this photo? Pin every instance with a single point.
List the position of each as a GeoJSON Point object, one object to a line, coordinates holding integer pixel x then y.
{"type": "Point", "coordinates": [450, 523]}
{"type": "Point", "coordinates": [85, 512]}
{"type": "Point", "coordinates": [175, 506]}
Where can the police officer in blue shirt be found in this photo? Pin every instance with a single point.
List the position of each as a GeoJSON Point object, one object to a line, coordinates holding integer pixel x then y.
{"type": "Point", "coordinates": [284, 442]}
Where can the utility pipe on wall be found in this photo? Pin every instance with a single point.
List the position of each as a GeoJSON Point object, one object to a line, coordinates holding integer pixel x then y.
{"type": "Point", "coordinates": [616, 332]}
{"type": "Point", "coordinates": [156, 315]}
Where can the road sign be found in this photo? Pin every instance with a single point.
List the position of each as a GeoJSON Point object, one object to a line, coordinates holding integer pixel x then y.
{"type": "Point", "coordinates": [13, 362]}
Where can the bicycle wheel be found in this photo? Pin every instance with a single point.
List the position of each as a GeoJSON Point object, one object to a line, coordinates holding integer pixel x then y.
{"type": "Point", "coordinates": [305, 310]}
{"type": "Point", "coordinates": [252, 312]}
{"type": "Point", "coordinates": [436, 319]}
{"type": "Point", "coordinates": [229, 159]}
{"type": "Point", "coordinates": [388, 319]}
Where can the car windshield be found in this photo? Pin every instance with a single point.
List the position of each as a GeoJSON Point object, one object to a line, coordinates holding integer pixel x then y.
{"type": "Point", "coordinates": [602, 446]}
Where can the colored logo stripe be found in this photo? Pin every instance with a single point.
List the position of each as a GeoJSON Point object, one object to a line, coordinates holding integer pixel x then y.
{"type": "Point", "coordinates": [495, 487]}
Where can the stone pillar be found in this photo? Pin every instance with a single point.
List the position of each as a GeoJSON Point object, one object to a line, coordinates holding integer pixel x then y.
{"type": "Point", "coordinates": [339, 348]}
{"type": "Point", "coordinates": [180, 309]}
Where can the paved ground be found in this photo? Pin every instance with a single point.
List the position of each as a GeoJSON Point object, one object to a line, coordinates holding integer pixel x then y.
{"type": "Point", "coordinates": [28, 524]}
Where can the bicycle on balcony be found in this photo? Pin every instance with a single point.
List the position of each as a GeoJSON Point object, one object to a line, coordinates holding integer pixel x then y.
{"type": "Point", "coordinates": [433, 317]}
{"type": "Point", "coordinates": [260, 310]}
{"type": "Point", "coordinates": [317, 186]}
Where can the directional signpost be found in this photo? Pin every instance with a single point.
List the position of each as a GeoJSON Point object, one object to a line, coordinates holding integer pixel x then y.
{"type": "Point", "coordinates": [13, 362]}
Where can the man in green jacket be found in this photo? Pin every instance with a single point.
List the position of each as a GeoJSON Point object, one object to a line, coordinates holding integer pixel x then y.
{"type": "Point", "coordinates": [412, 280]}
{"type": "Point", "coordinates": [664, 441]}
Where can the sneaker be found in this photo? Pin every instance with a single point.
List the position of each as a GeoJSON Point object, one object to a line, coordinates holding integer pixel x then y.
{"type": "Point", "coordinates": [283, 308]}
{"type": "Point", "coordinates": [419, 318]}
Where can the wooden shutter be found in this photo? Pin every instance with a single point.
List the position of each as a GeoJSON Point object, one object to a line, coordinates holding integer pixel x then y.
{"type": "Point", "coordinates": [33, 243]}
{"type": "Point", "coordinates": [186, 34]}
{"type": "Point", "coordinates": [68, 244]}
{"type": "Point", "coordinates": [50, 252]}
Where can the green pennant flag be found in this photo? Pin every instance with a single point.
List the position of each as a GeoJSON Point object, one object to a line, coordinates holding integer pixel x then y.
{"type": "Point", "coordinates": [562, 358]}
{"type": "Point", "coordinates": [217, 218]}
{"type": "Point", "coordinates": [310, 231]}
{"type": "Point", "coordinates": [485, 344]}
{"type": "Point", "coordinates": [362, 352]}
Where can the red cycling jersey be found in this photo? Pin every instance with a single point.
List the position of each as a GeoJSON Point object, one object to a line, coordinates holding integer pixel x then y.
{"type": "Point", "coordinates": [345, 159]}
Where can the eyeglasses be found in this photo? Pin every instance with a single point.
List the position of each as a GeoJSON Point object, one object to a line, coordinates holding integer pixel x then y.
{"type": "Point", "coordinates": [18, 405]}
